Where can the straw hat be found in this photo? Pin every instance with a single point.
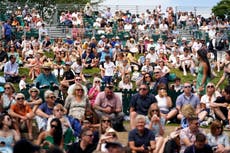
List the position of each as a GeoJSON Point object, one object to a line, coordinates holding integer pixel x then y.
{"type": "Point", "coordinates": [34, 89]}
{"type": "Point", "coordinates": [46, 66]}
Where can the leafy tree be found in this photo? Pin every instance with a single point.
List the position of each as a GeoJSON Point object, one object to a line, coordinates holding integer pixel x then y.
{"type": "Point", "coordinates": [222, 9]}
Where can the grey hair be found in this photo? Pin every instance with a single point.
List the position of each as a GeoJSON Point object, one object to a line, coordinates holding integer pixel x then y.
{"type": "Point", "coordinates": [47, 93]}
{"type": "Point", "coordinates": [19, 94]}
{"type": "Point", "coordinates": [140, 117]}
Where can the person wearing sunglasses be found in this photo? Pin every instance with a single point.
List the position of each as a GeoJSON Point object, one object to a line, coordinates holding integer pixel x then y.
{"type": "Point", "coordinates": [8, 97]}
{"type": "Point", "coordinates": [156, 123]}
{"type": "Point", "coordinates": [207, 113]}
{"type": "Point", "coordinates": [159, 78]}
{"type": "Point", "coordinates": [140, 103]}
{"type": "Point", "coordinates": [22, 114]}
{"type": "Point", "coordinates": [8, 136]}
{"type": "Point", "coordinates": [34, 100]}
{"type": "Point", "coordinates": [85, 145]}
{"type": "Point", "coordinates": [108, 103]}
{"type": "Point", "coordinates": [52, 137]}
{"type": "Point", "coordinates": [187, 97]}
{"type": "Point", "coordinates": [217, 138]}
{"type": "Point", "coordinates": [78, 80]}
{"type": "Point", "coordinates": [95, 90]}
{"type": "Point", "coordinates": [46, 78]}
{"type": "Point", "coordinates": [45, 110]}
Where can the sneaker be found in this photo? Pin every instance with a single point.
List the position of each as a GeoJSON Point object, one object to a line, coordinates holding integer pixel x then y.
{"type": "Point", "coordinates": [227, 126]}
{"type": "Point", "coordinates": [204, 124]}
{"type": "Point", "coordinates": [168, 122]}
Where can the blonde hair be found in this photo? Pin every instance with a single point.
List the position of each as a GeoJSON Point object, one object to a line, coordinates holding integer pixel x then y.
{"type": "Point", "coordinates": [187, 110]}
{"type": "Point", "coordinates": [140, 117]}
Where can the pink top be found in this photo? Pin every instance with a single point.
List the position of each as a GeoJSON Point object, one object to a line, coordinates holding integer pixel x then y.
{"type": "Point", "coordinates": [95, 93]}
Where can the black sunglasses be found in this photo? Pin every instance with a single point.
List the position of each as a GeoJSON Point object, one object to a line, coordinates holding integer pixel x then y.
{"type": "Point", "coordinates": [22, 98]}
{"type": "Point", "coordinates": [106, 121]}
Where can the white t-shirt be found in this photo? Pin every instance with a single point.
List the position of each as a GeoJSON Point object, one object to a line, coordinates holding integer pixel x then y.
{"type": "Point", "coordinates": [22, 84]}
{"type": "Point", "coordinates": [109, 69]}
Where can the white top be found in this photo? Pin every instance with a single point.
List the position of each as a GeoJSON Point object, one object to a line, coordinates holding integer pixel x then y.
{"type": "Point", "coordinates": [206, 100]}
{"type": "Point", "coordinates": [109, 68]}
{"type": "Point", "coordinates": [22, 84]}
{"type": "Point", "coordinates": [162, 103]}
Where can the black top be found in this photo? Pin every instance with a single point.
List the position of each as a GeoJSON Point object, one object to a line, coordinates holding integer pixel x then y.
{"type": "Point", "coordinates": [3, 55]}
{"type": "Point", "coordinates": [75, 148]}
{"type": "Point", "coordinates": [141, 104]}
{"type": "Point", "coordinates": [171, 147]}
{"type": "Point", "coordinates": [224, 110]}
{"type": "Point", "coordinates": [193, 149]}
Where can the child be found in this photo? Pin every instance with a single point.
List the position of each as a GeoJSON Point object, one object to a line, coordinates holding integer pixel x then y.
{"type": "Point", "coordinates": [22, 83]}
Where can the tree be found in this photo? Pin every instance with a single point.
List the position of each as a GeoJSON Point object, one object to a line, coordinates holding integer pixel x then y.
{"type": "Point", "coordinates": [222, 9]}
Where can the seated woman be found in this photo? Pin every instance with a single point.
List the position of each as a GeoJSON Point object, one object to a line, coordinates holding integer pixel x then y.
{"type": "Point", "coordinates": [207, 104]}
{"type": "Point", "coordinates": [22, 114]}
{"type": "Point", "coordinates": [34, 100]}
{"type": "Point", "coordinates": [156, 123]}
{"type": "Point", "coordinates": [141, 139]}
{"type": "Point", "coordinates": [125, 83]}
{"type": "Point", "coordinates": [58, 66]}
{"type": "Point", "coordinates": [59, 112]}
{"type": "Point", "coordinates": [216, 138]}
{"type": "Point", "coordinates": [53, 137]}
{"type": "Point", "coordinates": [146, 79]}
{"type": "Point", "coordinates": [165, 102]}
{"type": "Point", "coordinates": [8, 136]}
{"type": "Point", "coordinates": [109, 136]}
{"type": "Point", "coordinates": [76, 103]}
{"type": "Point", "coordinates": [93, 92]}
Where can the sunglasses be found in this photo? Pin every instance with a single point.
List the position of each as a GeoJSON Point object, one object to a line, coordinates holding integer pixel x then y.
{"type": "Point", "coordinates": [155, 110]}
{"type": "Point", "coordinates": [6, 87]}
{"type": "Point", "coordinates": [211, 86]}
{"type": "Point", "coordinates": [147, 76]}
{"type": "Point", "coordinates": [143, 89]}
{"type": "Point", "coordinates": [52, 97]}
{"type": "Point", "coordinates": [77, 79]}
{"type": "Point", "coordinates": [89, 135]}
{"type": "Point", "coordinates": [47, 69]}
{"type": "Point", "coordinates": [53, 126]}
{"type": "Point", "coordinates": [187, 86]}
{"type": "Point", "coordinates": [157, 72]}
{"type": "Point", "coordinates": [58, 110]}
{"type": "Point", "coordinates": [97, 81]}
{"type": "Point", "coordinates": [21, 98]}
{"type": "Point", "coordinates": [34, 91]}
{"type": "Point", "coordinates": [106, 121]}
{"type": "Point", "coordinates": [79, 89]}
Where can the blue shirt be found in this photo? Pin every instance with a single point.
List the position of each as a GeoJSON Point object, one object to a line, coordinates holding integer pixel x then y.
{"type": "Point", "coordinates": [103, 54]}
{"type": "Point", "coordinates": [182, 100]}
{"type": "Point", "coordinates": [140, 140]}
{"type": "Point", "coordinates": [141, 104]}
{"type": "Point", "coordinates": [44, 107]}
{"type": "Point", "coordinates": [46, 80]}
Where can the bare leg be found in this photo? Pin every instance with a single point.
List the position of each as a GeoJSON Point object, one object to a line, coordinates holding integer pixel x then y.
{"type": "Point", "coordinates": [132, 119]}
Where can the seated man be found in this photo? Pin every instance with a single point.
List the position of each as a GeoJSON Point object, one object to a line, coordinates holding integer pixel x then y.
{"type": "Point", "coordinates": [199, 145]}
{"type": "Point", "coordinates": [45, 110]}
{"type": "Point", "coordinates": [46, 78]}
{"type": "Point", "coordinates": [107, 103]}
{"type": "Point", "coordinates": [11, 70]}
{"type": "Point", "coordinates": [187, 97]}
{"type": "Point", "coordinates": [22, 113]}
{"type": "Point", "coordinates": [188, 135]}
{"type": "Point", "coordinates": [140, 103]}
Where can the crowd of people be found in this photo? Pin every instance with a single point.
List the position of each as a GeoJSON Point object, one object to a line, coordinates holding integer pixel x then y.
{"type": "Point", "coordinates": [78, 112]}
